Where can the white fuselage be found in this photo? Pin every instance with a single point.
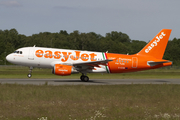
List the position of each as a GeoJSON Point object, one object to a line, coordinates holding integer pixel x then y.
{"type": "Point", "coordinates": [47, 57]}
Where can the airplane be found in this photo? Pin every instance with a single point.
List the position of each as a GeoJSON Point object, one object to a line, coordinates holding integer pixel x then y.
{"type": "Point", "coordinates": [66, 62]}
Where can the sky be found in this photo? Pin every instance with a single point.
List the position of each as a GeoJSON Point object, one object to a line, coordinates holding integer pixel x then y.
{"type": "Point", "coordinates": [139, 19]}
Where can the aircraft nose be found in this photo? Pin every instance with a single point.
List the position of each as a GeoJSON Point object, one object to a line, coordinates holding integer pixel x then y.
{"type": "Point", "coordinates": [9, 58]}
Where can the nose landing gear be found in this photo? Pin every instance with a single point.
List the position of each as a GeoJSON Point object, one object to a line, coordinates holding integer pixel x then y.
{"type": "Point", "coordinates": [30, 71]}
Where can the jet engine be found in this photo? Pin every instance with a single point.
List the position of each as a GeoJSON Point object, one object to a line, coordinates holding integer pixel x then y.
{"type": "Point", "coordinates": [63, 70]}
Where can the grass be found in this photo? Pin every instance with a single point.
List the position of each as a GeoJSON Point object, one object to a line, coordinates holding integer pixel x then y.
{"type": "Point", "coordinates": [21, 72]}
{"type": "Point", "coordinates": [79, 102]}
{"type": "Point", "coordinates": [89, 102]}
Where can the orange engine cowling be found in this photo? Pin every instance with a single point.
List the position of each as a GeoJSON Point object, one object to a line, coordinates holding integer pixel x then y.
{"type": "Point", "coordinates": [62, 70]}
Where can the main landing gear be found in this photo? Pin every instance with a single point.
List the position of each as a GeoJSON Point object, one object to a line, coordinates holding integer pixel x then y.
{"type": "Point", "coordinates": [84, 78]}
{"type": "Point", "coordinates": [30, 71]}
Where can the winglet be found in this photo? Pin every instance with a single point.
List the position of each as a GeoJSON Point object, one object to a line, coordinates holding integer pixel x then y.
{"type": "Point", "coordinates": [156, 47]}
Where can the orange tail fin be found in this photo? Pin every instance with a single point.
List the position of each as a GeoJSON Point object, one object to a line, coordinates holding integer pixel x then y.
{"type": "Point", "coordinates": [156, 47]}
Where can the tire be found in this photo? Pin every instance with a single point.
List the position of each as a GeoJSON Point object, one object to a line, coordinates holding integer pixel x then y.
{"type": "Point", "coordinates": [82, 77]}
{"type": "Point", "coordinates": [86, 78]}
{"type": "Point", "coordinates": [29, 75]}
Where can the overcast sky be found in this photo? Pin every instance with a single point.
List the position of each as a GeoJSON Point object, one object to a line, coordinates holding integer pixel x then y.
{"type": "Point", "coordinates": [140, 19]}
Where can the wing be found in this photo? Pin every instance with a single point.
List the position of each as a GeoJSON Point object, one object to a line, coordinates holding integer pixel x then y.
{"type": "Point", "coordinates": [83, 66]}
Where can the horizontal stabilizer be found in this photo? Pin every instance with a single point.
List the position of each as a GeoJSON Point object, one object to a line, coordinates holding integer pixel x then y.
{"type": "Point", "coordinates": [153, 63]}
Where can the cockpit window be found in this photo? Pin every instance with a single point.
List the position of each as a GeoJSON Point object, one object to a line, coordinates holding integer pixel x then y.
{"type": "Point", "coordinates": [18, 52]}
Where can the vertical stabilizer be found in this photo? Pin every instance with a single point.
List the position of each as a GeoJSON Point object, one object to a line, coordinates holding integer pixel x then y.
{"type": "Point", "coordinates": [156, 47]}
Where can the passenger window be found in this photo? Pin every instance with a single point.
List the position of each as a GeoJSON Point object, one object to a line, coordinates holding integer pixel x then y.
{"type": "Point", "coordinates": [20, 52]}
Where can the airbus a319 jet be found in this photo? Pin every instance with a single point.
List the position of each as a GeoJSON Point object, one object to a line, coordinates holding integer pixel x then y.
{"type": "Point", "coordinates": [65, 62]}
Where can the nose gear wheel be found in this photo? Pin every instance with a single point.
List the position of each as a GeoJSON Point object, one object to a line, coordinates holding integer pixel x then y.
{"type": "Point", "coordinates": [30, 71]}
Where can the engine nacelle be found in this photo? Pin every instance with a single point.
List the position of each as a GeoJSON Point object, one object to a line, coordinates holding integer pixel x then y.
{"type": "Point", "coordinates": [62, 69]}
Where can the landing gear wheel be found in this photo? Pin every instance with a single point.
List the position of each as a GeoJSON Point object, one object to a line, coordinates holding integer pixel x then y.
{"type": "Point", "coordinates": [82, 78]}
{"type": "Point", "coordinates": [29, 75]}
{"type": "Point", "coordinates": [86, 79]}
{"type": "Point", "coordinates": [30, 71]}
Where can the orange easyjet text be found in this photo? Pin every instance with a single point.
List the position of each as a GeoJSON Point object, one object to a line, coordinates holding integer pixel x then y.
{"type": "Point", "coordinates": [65, 55]}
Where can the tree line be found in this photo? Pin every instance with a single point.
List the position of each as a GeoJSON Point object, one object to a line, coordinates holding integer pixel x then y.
{"type": "Point", "coordinates": [113, 42]}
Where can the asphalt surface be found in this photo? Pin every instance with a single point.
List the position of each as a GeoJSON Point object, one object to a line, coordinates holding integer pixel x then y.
{"type": "Point", "coordinates": [91, 82]}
